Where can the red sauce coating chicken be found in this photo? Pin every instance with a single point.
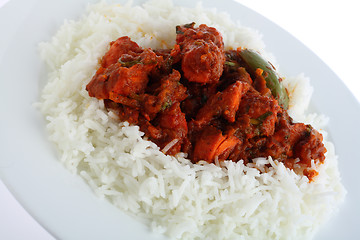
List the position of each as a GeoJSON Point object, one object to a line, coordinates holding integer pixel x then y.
{"type": "Point", "coordinates": [203, 100]}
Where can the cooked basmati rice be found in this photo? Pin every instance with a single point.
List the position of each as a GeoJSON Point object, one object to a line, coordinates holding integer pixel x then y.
{"type": "Point", "coordinates": [180, 199]}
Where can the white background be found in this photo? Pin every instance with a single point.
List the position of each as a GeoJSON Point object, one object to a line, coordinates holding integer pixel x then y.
{"type": "Point", "coordinates": [330, 28]}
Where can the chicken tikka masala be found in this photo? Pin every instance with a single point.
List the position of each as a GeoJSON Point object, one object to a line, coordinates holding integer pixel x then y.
{"type": "Point", "coordinates": [200, 99]}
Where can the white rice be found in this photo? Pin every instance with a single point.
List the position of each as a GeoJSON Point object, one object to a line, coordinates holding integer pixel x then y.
{"type": "Point", "coordinates": [180, 199]}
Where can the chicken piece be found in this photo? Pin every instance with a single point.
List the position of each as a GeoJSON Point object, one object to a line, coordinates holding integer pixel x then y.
{"type": "Point", "coordinates": [169, 92]}
{"type": "Point", "coordinates": [119, 47]}
{"type": "Point", "coordinates": [201, 52]}
{"type": "Point", "coordinates": [230, 77]}
{"type": "Point", "coordinates": [152, 132]}
{"type": "Point", "coordinates": [198, 95]}
{"type": "Point", "coordinates": [280, 144]}
{"type": "Point", "coordinates": [128, 114]}
{"type": "Point", "coordinates": [213, 144]}
{"type": "Point", "coordinates": [169, 127]}
{"type": "Point", "coordinates": [257, 114]}
{"type": "Point", "coordinates": [97, 87]}
{"type": "Point", "coordinates": [202, 62]}
{"type": "Point", "coordinates": [121, 80]}
{"type": "Point", "coordinates": [310, 147]}
{"type": "Point", "coordinates": [295, 140]}
{"type": "Point", "coordinates": [225, 103]}
{"type": "Point", "coordinates": [187, 33]}
{"type": "Point", "coordinates": [173, 126]}
{"type": "Point", "coordinates": [226, 147]}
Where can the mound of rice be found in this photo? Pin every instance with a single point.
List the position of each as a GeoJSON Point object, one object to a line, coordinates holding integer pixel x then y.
{"type": "Point", "coordinates": [178, 198]}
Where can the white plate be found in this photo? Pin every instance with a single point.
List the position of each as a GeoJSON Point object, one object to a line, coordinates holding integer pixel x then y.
{"type": "Point", "coordinates": [62, 202]}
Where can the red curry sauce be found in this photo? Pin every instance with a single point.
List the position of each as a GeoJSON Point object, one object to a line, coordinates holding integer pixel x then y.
{"type": "Point", "coordinates": [202, 100]}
